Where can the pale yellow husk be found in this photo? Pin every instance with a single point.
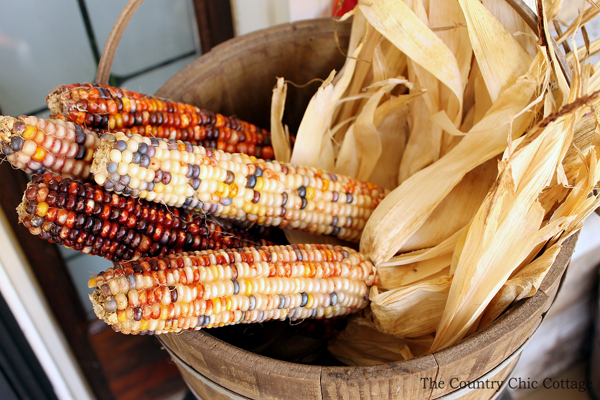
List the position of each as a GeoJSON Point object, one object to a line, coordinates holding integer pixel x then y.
{"type": "Point", "coordinates": [362, 344]}
{"type": "Point", "coordinates": [506, 229]}
{"type": "Point", "coordinates": [491, 152]}
{"type": "Point", "coordinates": [279, 136]}
{"type": "Point", "coordinates": [413, 310]}
{"type": "Point", "coordinates": [523, 284]}
{"type": "Point", "coordinates": [416, 198]}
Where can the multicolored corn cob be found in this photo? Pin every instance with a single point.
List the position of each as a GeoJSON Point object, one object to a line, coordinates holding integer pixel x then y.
{"type": "Point", "coordinates": [205, 289]}
{"type": "Point", "coordinates": [91, 220]}
{"type": "Point", "coordinates": [106, 108]}
{"type": "Point", "coordinates": [35, 145]}
{"type": "Point", "coordinates": [235, 186]}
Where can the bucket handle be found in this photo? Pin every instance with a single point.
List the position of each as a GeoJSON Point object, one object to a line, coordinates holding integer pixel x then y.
{"type": "Point", "coordinates": [110, 48]}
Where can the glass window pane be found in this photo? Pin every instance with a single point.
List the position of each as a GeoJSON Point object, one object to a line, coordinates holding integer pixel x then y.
{"type": "Point", "coordinates": [159, 30]}
{"type": "Point", "coordinates": [43, 44]}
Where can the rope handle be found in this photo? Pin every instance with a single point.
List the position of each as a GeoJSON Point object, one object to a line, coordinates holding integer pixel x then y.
{"type": "Point", "coordinates": [110, 48]}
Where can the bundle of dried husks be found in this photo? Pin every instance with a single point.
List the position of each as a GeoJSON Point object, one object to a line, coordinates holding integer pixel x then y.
{"type": "Point", "coordinates": [488, 144]}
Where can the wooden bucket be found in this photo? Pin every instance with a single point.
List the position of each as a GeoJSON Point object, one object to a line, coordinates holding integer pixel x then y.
{"type": "Point", "coordinates": [236, 78]}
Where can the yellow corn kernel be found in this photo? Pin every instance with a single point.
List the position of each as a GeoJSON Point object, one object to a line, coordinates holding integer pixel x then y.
{"type": "Point", "coordinates": [248, 287]}
{"type": "Point", "coordinates": [30, 132]}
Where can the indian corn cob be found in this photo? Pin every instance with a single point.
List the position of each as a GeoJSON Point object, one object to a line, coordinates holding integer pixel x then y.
{"type": "Point", "coordinates": [36, 145]}
{"type": "Point", "coordinates": [91, 220]}
{"type": "Point", "coordinates": [106, 108]}
{"type": "Point", "coordinates": [190, 291]}
{"type": "Point", "coordinates": [235, 186]}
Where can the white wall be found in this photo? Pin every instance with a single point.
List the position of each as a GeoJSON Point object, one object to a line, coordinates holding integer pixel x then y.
{"type": "Point", "coordinates": [252, 15]}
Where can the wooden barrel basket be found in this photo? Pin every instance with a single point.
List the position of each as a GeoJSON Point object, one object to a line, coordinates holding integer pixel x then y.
{"type": "Point", "coordinates": [237, 78]}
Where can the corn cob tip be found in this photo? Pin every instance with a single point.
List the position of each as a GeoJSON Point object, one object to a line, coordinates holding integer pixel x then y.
{"type": "Point", "coordinates": [37, 144]}
{"type": "Point", "coordinates": [22, 210]}
{"type": "Point", "coordinates": [101, 156]}
{"type": "Point", "coordinates": [53, 101]}
{"type": "Point", "coordinates": [6, 126]}
{"type": "Point", "coordinates": [100, 308]}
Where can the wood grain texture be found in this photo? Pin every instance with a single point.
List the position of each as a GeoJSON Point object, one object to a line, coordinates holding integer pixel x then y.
{"type": "Point", "coordinates": [237, 77]}
{"type": "Point", "coordinates": [200, 388]}
{"type": "Point", "coordinates": [490, 391]}
{"type": "Point", "coordinates": [242, 372]}
{"type": "Point", "coordinates": [402, 380]}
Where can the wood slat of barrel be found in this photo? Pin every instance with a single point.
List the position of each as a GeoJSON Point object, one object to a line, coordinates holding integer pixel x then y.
{"type": "Point", "coordinates": [553, 280]}
{"type": "Point", "coordinates": [494, 389]}
{"type": "Point", "coordinates": [243, 372]}
{"type": "Point", "coordinates": [386, 381]}
{"type": "Point", "coordinates": [202, 388]}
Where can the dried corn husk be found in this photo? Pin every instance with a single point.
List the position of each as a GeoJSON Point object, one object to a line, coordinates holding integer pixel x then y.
{"type": "Point", "coordinates": [456, 210]}
{"type": "Point", "coordinates": [362, 344]}
{"type": "Point", "coordinates": [314, 127]}
{"type": "Point", "coordinates": [395, 276]}
{"type": "Point", "coordinates": [279, 136]}
{"type": "Point", "coordinates": [513, 23]}
{"type": "Point", "coordinates": [522, 285]}
{"type": "Point", "coordinates": [402, 27]}
{"type": "Point", "coordinates": [495, 163]}
{"type": "Point", "coordinates": [366, 137]}
{"type": "Point", "coordinates": [412, 310]}
{"type": "Point", "coordinates": [507, 227]}
{"type": "Point", "coordinates": [500, 57]}
{"type": "Point", "coordinates": [391, 122]}
{"type": "Point", "coordinates": [406, 208]}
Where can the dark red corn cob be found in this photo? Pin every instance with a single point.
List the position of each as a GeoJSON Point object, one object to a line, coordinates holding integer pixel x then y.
{"type": "Point", "coordinates": [91, 220]}
{"type": "Point", "coordinates": [105, 108]}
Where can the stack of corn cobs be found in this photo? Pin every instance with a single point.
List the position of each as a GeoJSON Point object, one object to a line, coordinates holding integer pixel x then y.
{"type": "Point", "coordinates": [162, 171]}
